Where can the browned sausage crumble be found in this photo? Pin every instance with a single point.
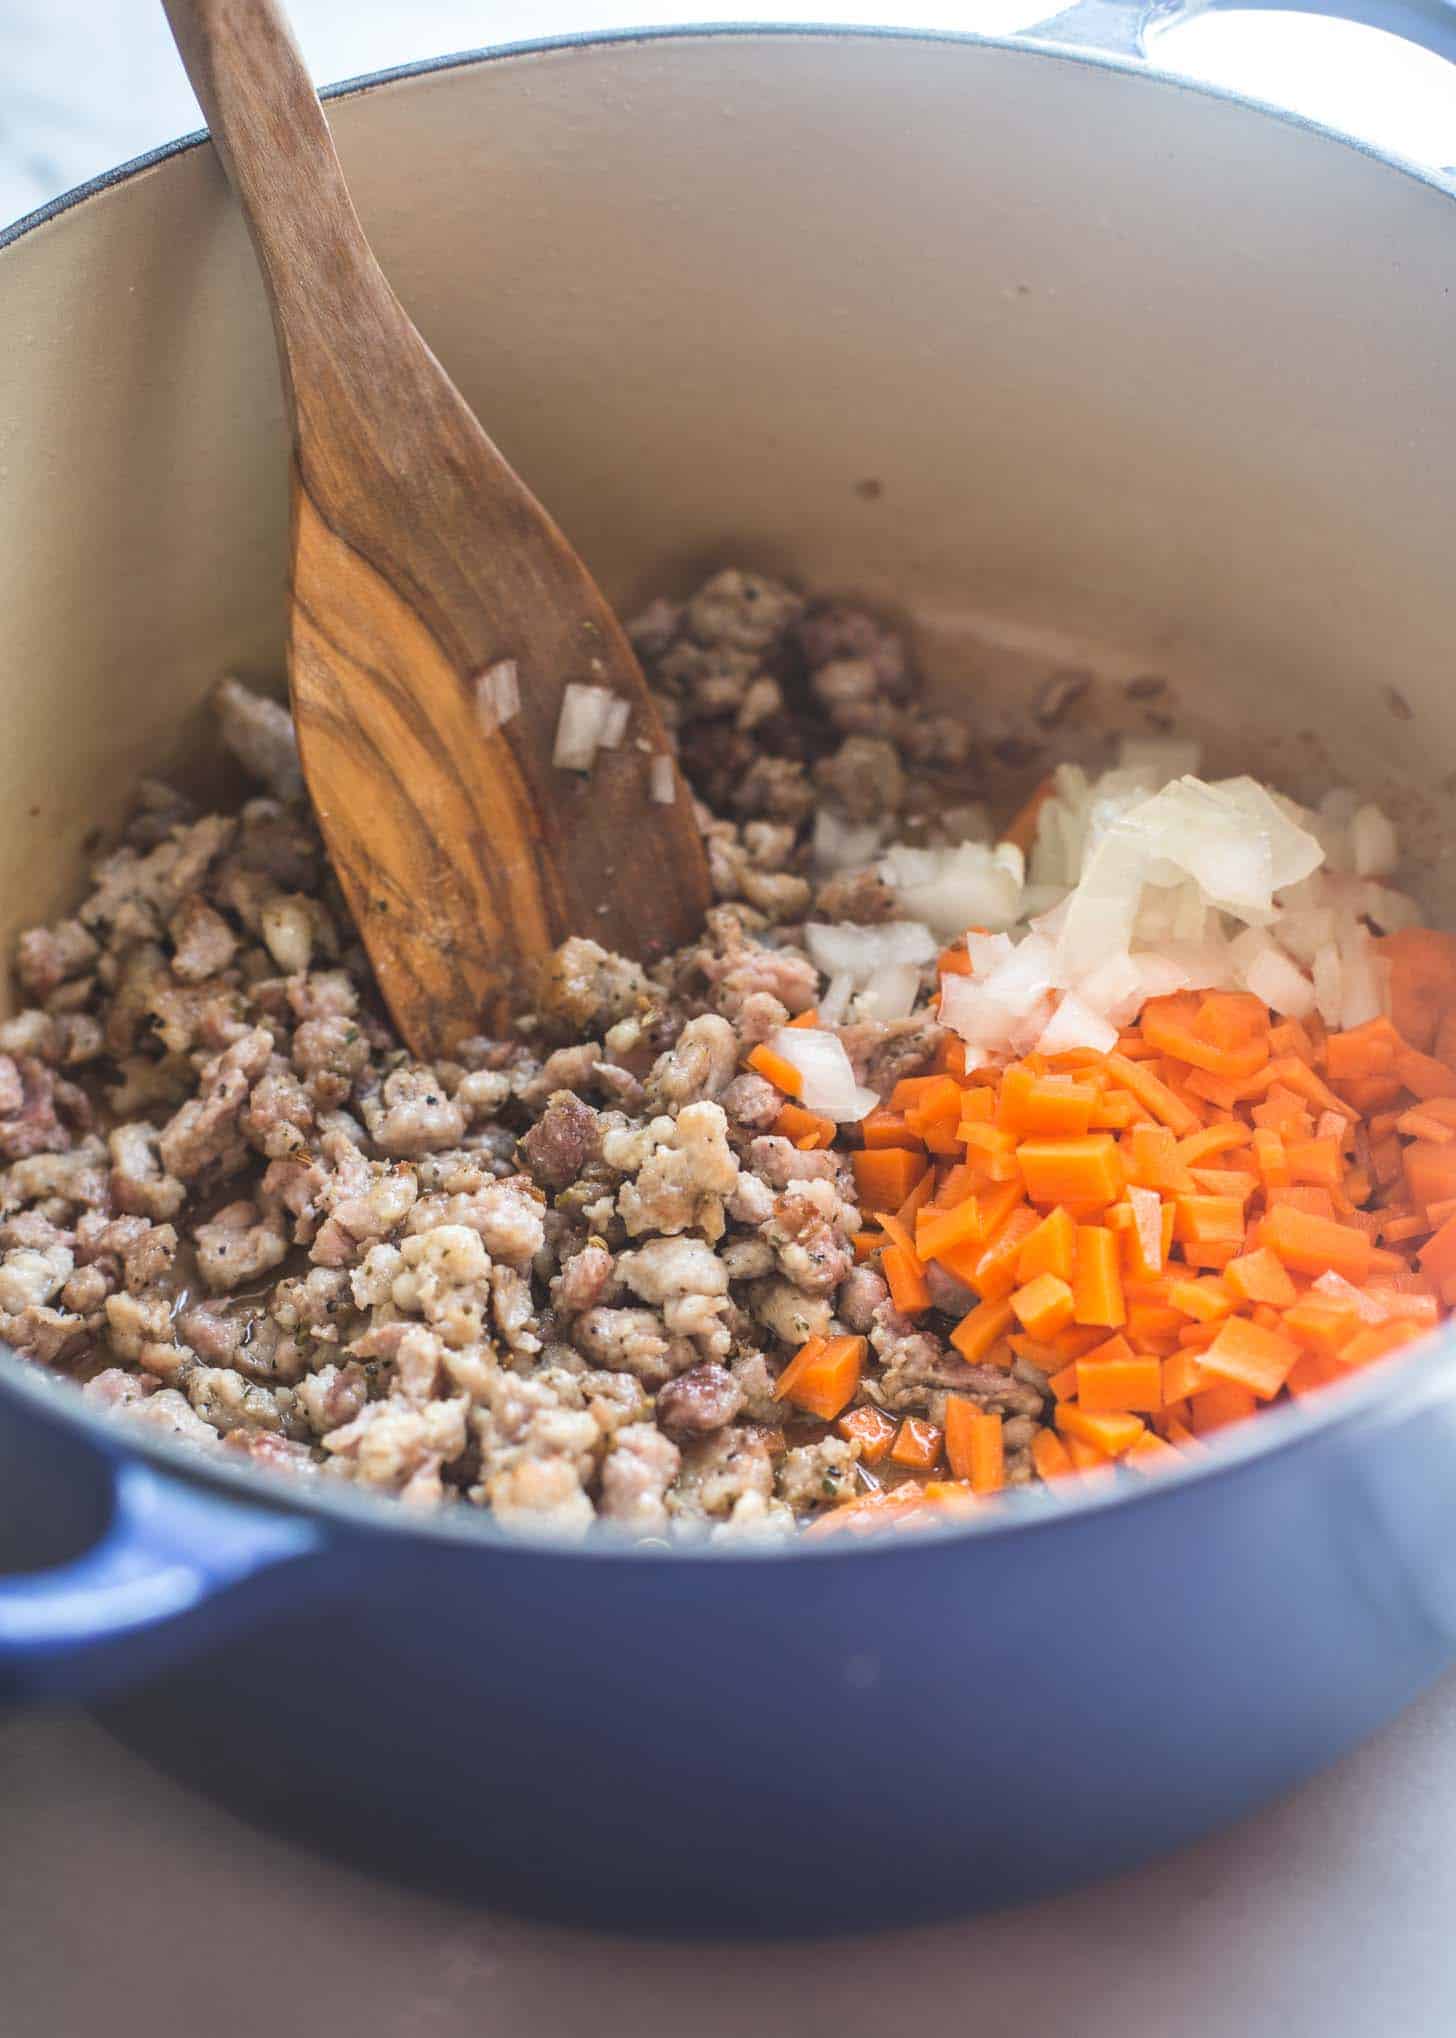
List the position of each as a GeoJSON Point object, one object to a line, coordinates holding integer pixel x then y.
{"type": "Point", "coordinates": [557, 1276]}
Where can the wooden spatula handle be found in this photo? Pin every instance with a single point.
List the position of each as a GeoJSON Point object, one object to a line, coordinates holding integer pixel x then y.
{"type": "Point", "coordinates": [270, 132]}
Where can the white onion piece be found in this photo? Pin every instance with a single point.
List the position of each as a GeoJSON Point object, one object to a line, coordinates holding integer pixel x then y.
{"type": "Point", "coordinates": [662, 780]}
{"type": "Point", "coordinates": [829, 1085]}
{"type": "Point", "coordinates": [844, 845]}
{"type": "Point", "coordinates": [497, 694]}
{"type": "Point", "coordinates": [1362, 987]}
{"type": "Point", "coordinates": [1389, 911]}
{"type": "Point", "coordinates": [584, 712]}
{"type": "Point", "coordinates": [1374, 851]}
{"type": "Point", "coordinates": [1328, 984]}
{"type": "Point", "coordinates": [1074, 1024]}
{"type": "Point", "coordinates": [986, 951]}
{"type": "Point", "coordinates": [890, 993]}
{"type": "Point", "coordinates": [861, 952]}
{"type": "Point", "coordinates": [1279, 984]}
{"type": "Point", "coordinates": [614, 722]}
{"type": "Point", "coordinates": [1147, 1217]}
{"type": "Point", "coordinates": [968, 885]}
{"type": "Point", "coordinates": [835, 1002]}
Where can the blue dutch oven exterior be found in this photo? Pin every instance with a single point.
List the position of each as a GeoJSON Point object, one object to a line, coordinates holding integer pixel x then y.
{"type": "Point", "coordinates": [822, 1738]}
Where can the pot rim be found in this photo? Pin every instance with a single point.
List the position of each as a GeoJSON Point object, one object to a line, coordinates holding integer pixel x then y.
{"type": "Point", "coordinates": [1026, 42]}
{"type": "Point", "coordinates": [1380, 1396]}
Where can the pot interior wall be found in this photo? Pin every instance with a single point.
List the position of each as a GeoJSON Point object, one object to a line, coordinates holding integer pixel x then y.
{"type": "Point", "coordinates": [1072, 366]}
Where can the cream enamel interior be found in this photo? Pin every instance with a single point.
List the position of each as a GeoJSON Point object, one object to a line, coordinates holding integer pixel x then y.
{"type": "Point", "coordinates": [1147, 380]}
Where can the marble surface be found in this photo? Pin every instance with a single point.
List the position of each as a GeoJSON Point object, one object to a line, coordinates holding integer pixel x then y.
{"type": "Point", "coordinates": [128, 1906]}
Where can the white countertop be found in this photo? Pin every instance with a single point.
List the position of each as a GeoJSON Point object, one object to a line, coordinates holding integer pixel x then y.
{"type": "Point", "coordinates": [129, 1906]}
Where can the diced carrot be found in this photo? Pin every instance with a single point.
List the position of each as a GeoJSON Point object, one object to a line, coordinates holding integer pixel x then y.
{"type": "Point", "coordinates": [990, 1147]}
{"type": "Point", "coordinates": [1200, 1219]}
{"type": "Point", "coordinates": [1046, 1107]}
{"type": "Point", "coordinates": [782, 1074]}
{"type": "Point", "coordinates": [1251, 1356]}
{"type": "Point", "coordinates": [1178, 1433]}
{"type": "Point", "coordinates": [908, 1213]}
{"type": "Point", "coordinates": [809, 1018]}
{"type": "Point", "coordinates": [871, 1429]}
{"type": "Point", "coordinates": [954, 961]}
{"type": "Point", "coordinates": [973, 1444]}
{"type": "Point", "coordinates": [1148, 1322]}
{"type": "Point", "coordinates": [1063, 1383]}
{"type": "Point", "coordinates": [1113, 1380]}
{"type": "Point", "coordinates": [1151, 1161]}
{"type": "Point", "coordinates": [1049, 1249]}
{"type": "Point", "coordinates": [1320, 1323]}
{"type": "Point", "coordinates": [1201, 1146]}
{"type": "Point", "coordinates": [1110, 1434]}
{"type": "Point", "coordinates": [993, 1273]}
{"type": "Point", "coordinates": [1206, 1301]}
{"type": "Point", "coordinates": [1169, 1024]}
{"type": "Point", "coordinates": [1271, 1159]}
{"type": "Point", "coordinates": [884, 1176]}
{"type": "Point", "coordinates": [805, 1128]}
{"type": "Point", "coordinates": [1315, 1160]}
{"type": "Point", "coordinates": [1260, 1277]}
{"type": "Point", "coordinates": [1086, 1172]}
{"type": "Point", "coordinates": [941, 1231]}
{"type": "Point", "coordinates": [867, 1244]}
{"type": "Point", "coordinates": [976, 1333]}
{"type": "Point", "coordinates": [1225, 1402]}
{"type": "Point", "coordinates": [1156, 1098]}
{"type": "Point", "coordinates": [1299, 1077]}
{"type": "Point", "coordinates": [1230, 1018]}
{"type": "Point", "coordinates": [1422, 982]}
{"type": "Point", "coordinates": [1044, 1305]}
{"type": "Point", "coordinates": [1315, 1245]}
{"type": "Point", "coordinates": [1430, 1170]}
{"type": "Point", "coordinates": [1050, 1455]}
{"type": "Point", "coordinates": [917, 1444]}
{"type": "Point", "coordinates": [1367, 1050]}
{"type": "Point", "coordinates": [1184, 1376]}
{"type": "Point", "coordinates": [1311, 1371]}
{"type": "Point", "coordinates": [1377, 1341]}
{"type": "Point", "coordinates": [823, 1376]}
{"type": "Point", "coordinates": [909, 1290]}
{"type": "Point", "coordinates": [1097, 1279]}
{"type": "Point", "coordinates": [1152, 1454]}
{"type": "Point", "coordinates": [1305, 1196]}
{"type": "Point", "coordinates": [886, 1128]}
{"type": "Point", "coordinates": [1438, 1254]}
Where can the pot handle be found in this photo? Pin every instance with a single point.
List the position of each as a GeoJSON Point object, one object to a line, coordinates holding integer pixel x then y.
{"type": "Point", "coordinates": [175, 1568]}
{"type": "Point", "coordinates": [1118, 28]}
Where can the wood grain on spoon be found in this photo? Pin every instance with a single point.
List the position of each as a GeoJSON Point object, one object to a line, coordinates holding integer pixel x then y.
{"type": "Point", "coordinates": [419, 561]}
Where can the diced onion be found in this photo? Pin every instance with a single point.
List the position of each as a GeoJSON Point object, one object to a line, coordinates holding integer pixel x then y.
{"type": "Point", "coordinates": [844, 845]}
{"type": "Point", "coordinates": [890, 993]}
{"type": "Point", "coordinates": [497, 694]}
{"type": "Point", "coordinates": [837, 947]}
{"type": "Point", "coordinates": [1074, 1024]}
{"type": "Point", "coordinates": [829, 1085]}
{"type": "Point", "coordinates": [662, 780]}
{"type": "Point", "coordinates": [969, 885]}
{"type": "Point", "coordinates": [584, 714]}
{"type": "Point", "coordinates": [614, 722]}
{"type": "Point", "coordinates": [1374, 851]}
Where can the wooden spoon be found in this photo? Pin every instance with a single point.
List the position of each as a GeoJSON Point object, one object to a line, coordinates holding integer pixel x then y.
{"type": "Point", "coordinates": [420, 563]}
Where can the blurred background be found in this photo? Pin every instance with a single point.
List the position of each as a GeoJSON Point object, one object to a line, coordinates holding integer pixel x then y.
{"type": "Point", "coordinates": [85, 84]}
